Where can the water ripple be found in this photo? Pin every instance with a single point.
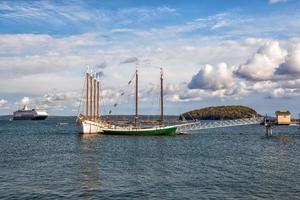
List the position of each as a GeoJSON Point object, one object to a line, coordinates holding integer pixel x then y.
{"type": "Point", "coordinates": [40, 160]}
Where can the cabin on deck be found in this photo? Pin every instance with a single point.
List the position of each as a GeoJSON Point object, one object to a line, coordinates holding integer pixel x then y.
{"type": "Point", "coordinates": [283, 117]}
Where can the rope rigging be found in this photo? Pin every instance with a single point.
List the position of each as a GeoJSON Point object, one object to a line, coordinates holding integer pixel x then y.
{"type": "Point", "coordinates": [122, 93]}
{"type": "Point", "coordinates": [81, 99]}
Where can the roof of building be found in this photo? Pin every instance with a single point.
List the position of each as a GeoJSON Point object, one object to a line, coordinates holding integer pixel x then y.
{"type": "Point", "coordinates": [282, 112]}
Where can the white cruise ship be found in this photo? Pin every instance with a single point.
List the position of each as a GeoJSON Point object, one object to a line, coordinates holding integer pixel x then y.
{"type": "Point", "coordinates": [27, 114]}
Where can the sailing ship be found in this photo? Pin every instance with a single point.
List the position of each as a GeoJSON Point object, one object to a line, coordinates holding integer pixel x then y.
{"type": "Point", "coordinates": [137, 129]}
{"type": "Point", "coordinates": [92, 123]}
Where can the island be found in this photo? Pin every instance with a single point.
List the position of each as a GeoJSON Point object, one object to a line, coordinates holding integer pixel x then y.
{"type": "Point", "coordinates": [220, 113]}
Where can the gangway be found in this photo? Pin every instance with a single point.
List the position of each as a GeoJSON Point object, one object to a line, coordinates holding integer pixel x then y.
{"type": "Point", "coordinates": [198, 125]}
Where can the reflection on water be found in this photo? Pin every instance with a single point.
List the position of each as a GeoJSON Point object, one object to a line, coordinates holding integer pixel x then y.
{"type": "Point", "coordinates": [88, 163]}
{"type": "Point", "coordinates": [283, 138]}
{"type": "Point", "coordinates": [39, 160]}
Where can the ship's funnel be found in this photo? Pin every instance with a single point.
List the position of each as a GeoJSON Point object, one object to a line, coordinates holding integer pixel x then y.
{"type": "Point", "coordinates": [25, 107]}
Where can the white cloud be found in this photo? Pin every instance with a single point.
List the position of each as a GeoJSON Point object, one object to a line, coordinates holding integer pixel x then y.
{"type": "Point", "coordinates": [32, 44]}
{"type": "Point", "coordinates": [165, 9]}
{"type": "Point", "coordinates": [291, 84]}
{"type": "Point", "coordinates": [78, 15]}
{"type": "Point", "coordinates": [292, 61]}
{"type": "Point", "coordinates": [37, 63]}
{"type": "Point", "coordinates": [263, 64]}
{"type": "Point", "coordinates": [277, 1]}
{"type": "Point", "coordinates": [25, 101]}
{"type": "Point", "coordinates": [39, 74]}
{"type": "Point", "coordinates": [3, 103]}
{"type": "Point", "coordinates": [41, 83]}
{"type": "Point", "coordinates": [284, 93]}
{"type": "Point", "coordinates": [42, 11]}
{"type": "Point", "coordinates": [261, 86]}
{"type": "Point", "coordinates": [58, 99]}
{"type": "Point", "coordinates": [28, 65]}
{"type": "Point", "coordinates": [258, 76]}
{"type": "Point", "coordinates": [63, 63]}
{"type": "Point", "coordinates": [213, 77]}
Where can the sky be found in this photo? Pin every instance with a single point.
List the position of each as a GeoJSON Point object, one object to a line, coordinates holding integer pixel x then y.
{"type": "Point", "coordinates": [213, 52]}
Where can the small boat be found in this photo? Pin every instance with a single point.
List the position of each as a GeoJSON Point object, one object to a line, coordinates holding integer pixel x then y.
{"type": "Point", "coordinates": [62, 124]}
{"type": "Point", "coordinates": [27, 114]}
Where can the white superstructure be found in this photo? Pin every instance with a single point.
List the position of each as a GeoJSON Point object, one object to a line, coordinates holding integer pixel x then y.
{"type": "Point", "coordinates": [27, 114]}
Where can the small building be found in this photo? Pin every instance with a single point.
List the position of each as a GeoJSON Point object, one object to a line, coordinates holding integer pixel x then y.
{"type": "Point", "coordinates": [283, 117]}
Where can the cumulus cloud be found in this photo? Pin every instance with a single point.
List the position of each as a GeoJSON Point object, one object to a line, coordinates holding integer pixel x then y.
{"type": "Point", "coordinates": [291, 64]}
{"type": "Point", "coordinates": [213, 77]}
{"type": "Point", "coordinates": [260, 74]}
{"type": "Point", "coordinates": [58, 99]}
{"type": "Point", "coordinates": [213, 80]}
{"type": "Point", "coordinates": [40, 84]}
{"type": "Point", "coordinates": [185, 95]}
{"type": "Point", "coordinates": [284, 93]}
{"type": "Point", "coordinates": [261, 86]}
{"type": "Point", "coordinates": [36, 63]}
{"type": "Point", "coordinates": [27, 65]}
{"type": "Point", "coordinates": [25, 101]}
{"type": "Point", "coordinates": [291, 84]}
{"type": "Point", "coordinates": [263, 64]}
{"type": "Point", "coordinates": [3, 102]}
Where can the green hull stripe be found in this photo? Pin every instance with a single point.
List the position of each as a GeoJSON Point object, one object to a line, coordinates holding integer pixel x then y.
{"type": "Point", "coordinates": [160, 131]}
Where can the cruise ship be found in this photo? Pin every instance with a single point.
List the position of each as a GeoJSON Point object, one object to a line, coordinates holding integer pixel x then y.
{"type": "Point", "coordinates": [27, 114]}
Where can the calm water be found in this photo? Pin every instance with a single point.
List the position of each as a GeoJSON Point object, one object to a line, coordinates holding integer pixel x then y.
{"type": "Point", "coordinates": [45, 160]}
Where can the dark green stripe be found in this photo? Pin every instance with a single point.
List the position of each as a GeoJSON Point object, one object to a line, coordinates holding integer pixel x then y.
{"type": "Point", "coordinates": [163, 131]}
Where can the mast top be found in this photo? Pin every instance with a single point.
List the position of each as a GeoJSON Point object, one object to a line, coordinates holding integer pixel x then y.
{"type": "Point", "coordinates": [136, 68]}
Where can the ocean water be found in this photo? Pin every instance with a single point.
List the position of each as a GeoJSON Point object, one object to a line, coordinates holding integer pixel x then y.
{"type": "Point", "coordinates": [50, 160]}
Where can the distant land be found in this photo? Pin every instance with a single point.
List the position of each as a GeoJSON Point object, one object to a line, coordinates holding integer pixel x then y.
{"type": "Point", "coordinates": [220, 113]}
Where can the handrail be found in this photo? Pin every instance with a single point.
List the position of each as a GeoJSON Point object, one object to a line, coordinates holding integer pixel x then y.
{"type": "Point", "coordinates": [217, 124]}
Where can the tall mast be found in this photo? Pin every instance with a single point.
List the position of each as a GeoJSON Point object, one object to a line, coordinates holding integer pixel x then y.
{"type": "Point", "coordinates": [161, 96]}
{"type": "Point", "coordinates": [98, 95]}
{"type": "Point", "coordinates": [136, 96]}
{"type": "Point", "coordinates": [95, 87]}
{"type": "Point", "coordinates": [87, 95]}
{"type": "Point", "coordinates": [91, 97]}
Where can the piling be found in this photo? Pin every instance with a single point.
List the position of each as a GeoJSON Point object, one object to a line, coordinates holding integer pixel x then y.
{"type": "Point", "coordinates": [269, 130]}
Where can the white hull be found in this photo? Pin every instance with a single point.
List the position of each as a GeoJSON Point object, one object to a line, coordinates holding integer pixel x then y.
{"type": "Point", "coordinates": [90, 127]}
{"type": "Point", "coordinates": [33, 114]}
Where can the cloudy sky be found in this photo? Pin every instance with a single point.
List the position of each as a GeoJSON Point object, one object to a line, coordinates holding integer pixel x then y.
{"type": "Point", "coordinates": [214, 52]}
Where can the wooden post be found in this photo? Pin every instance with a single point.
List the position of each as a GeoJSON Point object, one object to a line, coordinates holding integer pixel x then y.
{"type": "Point", "coordinates": [98, 98]}
{"type": "Point", "coordinates": [91, 97]}
{"type": "Point", "coordinates": [268, 130]}
{"type": "Point", "coordinates": [95, 96]}
{"type": "Point", "coordinates": [87, 96]}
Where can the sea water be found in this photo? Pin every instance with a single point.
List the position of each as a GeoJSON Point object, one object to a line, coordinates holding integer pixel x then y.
{"type": "Point", "coordinates": [50, 160]}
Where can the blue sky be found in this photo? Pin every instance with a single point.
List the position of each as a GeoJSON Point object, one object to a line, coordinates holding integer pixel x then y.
{"type": "Point", "coordinates": [213, 52]}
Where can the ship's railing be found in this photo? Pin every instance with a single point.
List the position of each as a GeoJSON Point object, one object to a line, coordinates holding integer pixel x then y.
{"type": "Point", "coordinates": [198, 125]}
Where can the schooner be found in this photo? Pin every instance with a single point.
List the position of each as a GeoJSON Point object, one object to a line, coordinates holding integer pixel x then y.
{"type": "Point", "coordinates": [92, 123]}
